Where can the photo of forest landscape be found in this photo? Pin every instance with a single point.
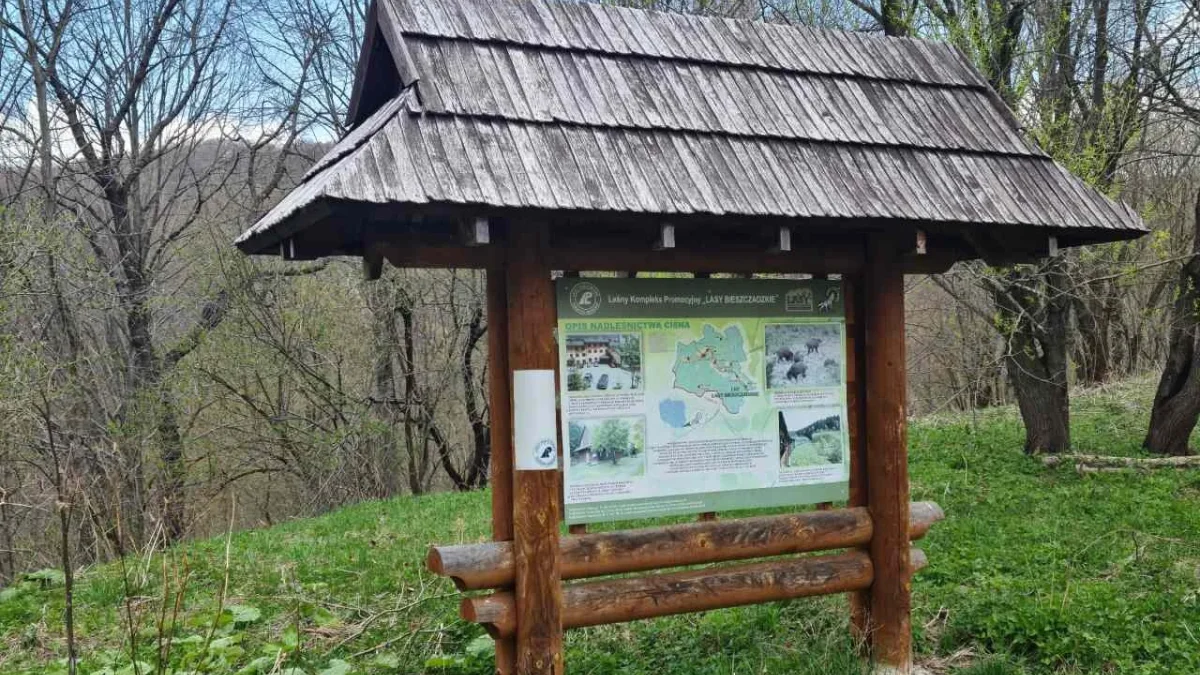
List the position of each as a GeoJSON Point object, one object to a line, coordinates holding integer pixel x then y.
{"type": "Point", "coordinates": [810, 437]}
{"type": "Point", "coordinates": [608, 449]}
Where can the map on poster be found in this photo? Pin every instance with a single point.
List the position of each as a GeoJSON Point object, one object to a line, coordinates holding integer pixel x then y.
{"type": "Point", "coordinates": [691, 395]}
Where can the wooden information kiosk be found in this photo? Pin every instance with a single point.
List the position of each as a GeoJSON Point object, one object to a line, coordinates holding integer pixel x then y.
{"type": "Point", "coordinates": [533, 139]}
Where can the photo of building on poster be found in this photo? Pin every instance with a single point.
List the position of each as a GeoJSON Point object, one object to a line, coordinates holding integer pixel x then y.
{"type": "Point", "coordinates": [598, 362]}
{"type": "Point", "coordinates": [611, 449]}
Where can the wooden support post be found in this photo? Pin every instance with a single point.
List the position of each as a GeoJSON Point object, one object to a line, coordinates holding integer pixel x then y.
{"type": "Point", "coordinates": [531, 347]}
{"type": "Point", "coordinates": [372, 264]}
{"type": "Point", "coordinates": [852, 287]}
{"type": "Point", "coordinates": [887, 459]}
{"type": "Point", "coordinates": [500, 405]}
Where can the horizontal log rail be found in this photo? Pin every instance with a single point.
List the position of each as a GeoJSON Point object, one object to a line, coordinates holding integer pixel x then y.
{"type": "Point", "coordinates": [593, 603]}
{"type": "Point", "coordinates": [1085, 462]}
{"type": "Point", "coordinates": [490, 565]}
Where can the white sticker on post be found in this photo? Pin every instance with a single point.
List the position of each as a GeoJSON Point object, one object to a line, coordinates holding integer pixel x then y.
{"type": "Point", "coordinates": [535, 425]}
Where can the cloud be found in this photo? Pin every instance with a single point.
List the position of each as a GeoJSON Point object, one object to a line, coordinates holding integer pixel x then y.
{"type": "Point", "coordinates": [20, 134]}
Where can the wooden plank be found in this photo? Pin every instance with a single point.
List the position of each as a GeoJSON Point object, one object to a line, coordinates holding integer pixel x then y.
{"type": "Point", "coordinates": [389, 26]}
{"type": "Point", "coordinates": [619, 600]}
{"type": "Point", "coordinates": [500, 406]}
{"type": "Point", "coordinates": [416, 255]}
{"type": "Point", "coordinates": [491, 565]}
{"type": "Point", "coordinates": [852, 287]}
{"type": "Point", "coordinates": [531, 346]}
{"type": "Point", "coordinates": [833, 259]}
{"type": "Point", "coordinates": [887, 461]}
{"type": "Point", "coordinates": [814, 257]}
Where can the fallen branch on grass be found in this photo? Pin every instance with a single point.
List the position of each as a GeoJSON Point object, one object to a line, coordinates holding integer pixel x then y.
{"type": "Point", "coordinates": [1102, 463]}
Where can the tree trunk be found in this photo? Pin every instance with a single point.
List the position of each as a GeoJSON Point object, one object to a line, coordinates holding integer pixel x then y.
{"type": "Point", "coordinates": [481, 445]}
{"type": "Point", "coordinates": [1177, 401]}
{"type": "Point", "coordinates": [1045, 410]}
{"type": "Point", "coordinates": [417, 465]}
{"type": "Point", "coordinates": [1171, 424]}
{"type": "Point", "coordinates": [174, 471]}
{"type": "Point", "coordinates": [8, 559]}
{"type": "Point", "coordinates": [892, 18]}
{"type": "Point", "coordinates": [1094, 352]}
{"type": "Point", "coordinates": [1035, 325]}
{"type": "Point", "coordinates": [386, 405]}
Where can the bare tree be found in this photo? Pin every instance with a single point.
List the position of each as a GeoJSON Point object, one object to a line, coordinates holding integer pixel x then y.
{"type": "Point", "coordinates": [1176, 406]}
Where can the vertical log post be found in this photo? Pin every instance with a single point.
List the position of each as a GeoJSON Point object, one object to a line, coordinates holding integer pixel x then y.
{"type": "Point", "coordinates": [887, 459]}
{"type": "Point", "coordinates": [531, 347]}
{"type": "Point", "coordinates": [852, 288]}
{"type": "Point", "coordinates": [500, 406]}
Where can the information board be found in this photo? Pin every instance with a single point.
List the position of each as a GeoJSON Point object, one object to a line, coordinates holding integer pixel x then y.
{"type": "Point", "coordinates": [690, 395]}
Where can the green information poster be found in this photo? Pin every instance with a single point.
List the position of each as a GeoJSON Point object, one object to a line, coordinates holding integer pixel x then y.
{"type": "Point", "coordinates": [690, 395]}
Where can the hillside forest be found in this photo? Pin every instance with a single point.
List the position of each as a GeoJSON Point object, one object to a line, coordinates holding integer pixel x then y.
{"type": "Point", "coordinates": [151, 375]}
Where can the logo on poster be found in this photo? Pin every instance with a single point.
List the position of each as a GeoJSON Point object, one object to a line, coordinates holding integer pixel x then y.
{"type": "Point", "coordinates": [831, 298]}
{"type": "Point", "coordinates": [545, 453]}
{"type": "Point", "coordinates": [799, 300]}
{"type": "Point", "coordinates": [585, 298]}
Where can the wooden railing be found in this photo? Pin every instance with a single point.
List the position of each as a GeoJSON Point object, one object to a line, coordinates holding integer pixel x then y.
{"type": "Point", "coordinates": [491, 565]}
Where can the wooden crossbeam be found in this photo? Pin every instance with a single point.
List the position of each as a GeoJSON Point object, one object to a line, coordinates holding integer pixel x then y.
{"type": "Point", "coordinates": [609, 601]}
{"type": "Point", "coordinates": [491, 564]}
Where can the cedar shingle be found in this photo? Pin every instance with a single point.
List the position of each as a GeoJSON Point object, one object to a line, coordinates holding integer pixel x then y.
{"type": "Point", "coordinates": [558, 105]}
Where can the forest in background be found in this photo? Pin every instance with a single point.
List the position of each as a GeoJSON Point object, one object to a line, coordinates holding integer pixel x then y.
{"type": "Point", "coordinates": [150, 373]}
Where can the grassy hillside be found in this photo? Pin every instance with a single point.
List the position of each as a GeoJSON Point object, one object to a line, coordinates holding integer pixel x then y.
{"type": "Point", "coordinates": [1034, 571]}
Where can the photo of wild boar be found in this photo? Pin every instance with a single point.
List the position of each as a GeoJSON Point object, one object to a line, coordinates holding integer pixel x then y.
{"type": "Point", "coordinates": [800, 355]}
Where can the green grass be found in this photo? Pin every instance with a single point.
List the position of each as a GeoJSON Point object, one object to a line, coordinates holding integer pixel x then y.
{"type": "Point", "coordinates": [1034, 571]}
{"type": "Point", "coordinates": [824, 448]}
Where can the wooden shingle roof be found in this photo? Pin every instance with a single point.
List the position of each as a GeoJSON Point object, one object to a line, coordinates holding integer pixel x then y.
{"type": "Point", "coordinates": [577, 107]}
